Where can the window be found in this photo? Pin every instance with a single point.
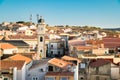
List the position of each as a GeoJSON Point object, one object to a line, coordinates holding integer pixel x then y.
{"type": "Point", "coordinates": [41, 39]}
{"type": "Point", "coordinates": [111, 51]}
{"type": "Point", "coordinates": [41, 70]}
{"type": "Point", "coordinates": [35, 78]}
{"type": "Point", "coordinates": [51, 46]}
{"type": "Point", "coordinates": [41, 28]}
{"type": "Point", "coordinates": [97, 78]}
{"type": "Point", "coordinates": [81, 78]}
{"type": "Point", "coordinates": [50, 68]}
{"type": "Point", "coordinates": [97, 70]}
{"type": "Point", "coordinates": [51, 52]}
{"type": "Point", "coordinates": [50, 78]}
{"type": "Point", "coordinates": [5, 78]}
{"type": "Point", "coordinates": [63, 78]}
{"type": "Point", "coordinates": [105, 78]}
{"type": "Point", "coordinates": [58, 52]}
{"type": "Point", "coordinates": [61, 45]}
{"type": "Point", "coordinates": [40, 50]}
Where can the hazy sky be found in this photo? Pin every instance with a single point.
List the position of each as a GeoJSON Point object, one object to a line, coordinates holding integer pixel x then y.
{"type": "Point", "coordinates": [101, 13]}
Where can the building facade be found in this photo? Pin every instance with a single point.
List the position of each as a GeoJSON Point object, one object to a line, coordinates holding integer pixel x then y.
{"type": "Point", "coordinates": [56, 48]}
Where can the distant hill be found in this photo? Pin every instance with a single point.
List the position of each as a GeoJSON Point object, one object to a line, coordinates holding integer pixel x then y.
{"type": "Point", "coordinates": [113, 29]}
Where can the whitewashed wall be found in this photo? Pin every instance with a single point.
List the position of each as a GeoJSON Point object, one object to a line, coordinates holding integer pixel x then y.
{"type": "Point", "coordinates": [9, 51]}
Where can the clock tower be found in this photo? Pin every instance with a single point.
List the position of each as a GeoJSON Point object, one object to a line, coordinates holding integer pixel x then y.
{"type": "Point", "coordinates": [41, 53]}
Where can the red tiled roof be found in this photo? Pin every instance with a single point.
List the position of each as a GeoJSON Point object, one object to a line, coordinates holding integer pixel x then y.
{"type": "Point", "coordinates": [59, 63]}
{"type": "Point", "coordinates": [60, 74]}
{"type": "Point", "coordinates": [111, 45]}
{"type": "Point", "coordinates": [111, 42]}
{"type": "Point", "coordinates": [69, 58]}
{"type": "Point", "coordinates": [7, 64]}
{"type": "Point", "coordinates": [20, 57]}
{"type": "Point", "coordinates": [114, 62]}
{"type": "Point", "coordinates": [25, 37]}
{"type": "Point", "coordinates": [99, 62]}
{"type": "Point", "coordinates": [111, 39]}
{"type": "Point", "coordinates": [7, 46]}
{"type": "Point", "coordinates": [22, 37]}
{"type": "Point", "coordinates": [94, 42]}
{"type": "Point", "coordinates": [76, 42]}
{"type": "Point", "coordinates": [84, 47]}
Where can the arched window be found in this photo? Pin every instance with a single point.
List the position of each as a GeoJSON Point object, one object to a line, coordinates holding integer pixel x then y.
{"type": "Point", "coordinates": [41, 39]}
{"type": "Point", "coordinates": [40, 50]}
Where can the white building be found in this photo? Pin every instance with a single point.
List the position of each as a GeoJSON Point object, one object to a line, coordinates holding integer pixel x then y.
{"type": "Point", "coordinates": [13, 70]}
{"type": "Point", "coordinates": [38, 70]}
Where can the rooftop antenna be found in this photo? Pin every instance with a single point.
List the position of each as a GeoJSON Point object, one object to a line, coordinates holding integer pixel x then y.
{"type": "Point", "coordinates": [37, 17]}
{"type": "Point", "coordinates": [30, 19]}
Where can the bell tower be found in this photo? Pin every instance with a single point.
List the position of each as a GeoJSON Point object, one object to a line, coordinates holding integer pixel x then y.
{"type": "Point", "coordinates": [41, 53]}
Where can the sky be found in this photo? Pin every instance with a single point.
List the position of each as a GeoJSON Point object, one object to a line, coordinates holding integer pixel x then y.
{"type": "Point", "coordinates": [96, 13]}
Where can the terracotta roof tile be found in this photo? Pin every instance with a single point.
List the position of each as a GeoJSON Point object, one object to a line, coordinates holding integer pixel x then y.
{"type": "Point", "coordinates": [94, 42]}
{"type": "Point", "coordinates": [7, 46]}
{"type": "Point", "coordinates": [69, 58]}
{"type": "Point", "coordinates": [20, 57]}
{"type": "Point", "coordinates": [99, 62]}
{"type": "Point", "coordinates": [59, 63]}
{"type": "Point", "coordinates": [7, 64]}
{"type": "Point", "coordinates": [76, 42]}
{"type": "Point", "coordinates": [111, 42]}
{"type": "Point", "coordinates": [85, 47]}
{"type": "Point", "coordinates": [22, 37]}
{"type": "Point", "coordinates": [33, 37]}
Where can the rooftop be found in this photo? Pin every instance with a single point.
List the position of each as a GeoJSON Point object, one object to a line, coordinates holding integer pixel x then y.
{"type": "Point", "coordinates": [7, 46]}
{"type": "Point", "coordinates": [18, 57]}
{"type": "Point", "coordinates": [84, 47]}
{"type": "Point", "coordinates": [76, 42]}
{"type": "Point", "coordinates": [37, 63]}
{"type": "Point", "coordinates": [99, 62]}
{"type": "Point", "coordinates": [111, 42]}
{"type": "Point", "coordinates": [7, 64]}
{"type": "Point", "coordinates": [16, 42]}
{"type": "Point", "coordinates": [69, 58]}
{"type": "Point", "coordinates": [22, 37]}
{"type": "Point", "coordinates": [59, 63]}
